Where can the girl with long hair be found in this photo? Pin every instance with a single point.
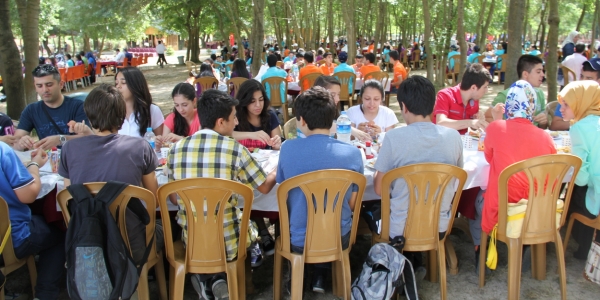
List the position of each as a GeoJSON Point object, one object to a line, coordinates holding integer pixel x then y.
{"type": "Point", "coordinates": [141, 113]}
{"type": "Point", "coordinates": [239, 69]}
{"type": "Point", "coordinates": [183, 121]}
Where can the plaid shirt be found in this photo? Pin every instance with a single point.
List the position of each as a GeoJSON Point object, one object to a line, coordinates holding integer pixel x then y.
{"type": "Point", "coordinates": [211, 155]}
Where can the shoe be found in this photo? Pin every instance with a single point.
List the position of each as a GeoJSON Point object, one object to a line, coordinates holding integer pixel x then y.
{"type": "Point", "coordinates": [201, 288]}
{"type": "Point", "coordinates": [420, 273]}
{"type": "Point", "coordinates": [256, 257]}
{"type": "Point", "coordinates": [268, 245]}
{"type": "Point", "coordinates": [318, 284]}
{"type": "Point", "coordinates": [220, 290]}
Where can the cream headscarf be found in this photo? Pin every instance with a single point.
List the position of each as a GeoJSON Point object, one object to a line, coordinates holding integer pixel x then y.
{"type": "Point", "coordinates": [570, 38]}
{"type": "Point", "coordinates": [583, 97]}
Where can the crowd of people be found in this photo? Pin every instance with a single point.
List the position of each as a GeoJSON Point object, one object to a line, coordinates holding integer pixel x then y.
{"type": "Point", "coordinates": [212, 135]}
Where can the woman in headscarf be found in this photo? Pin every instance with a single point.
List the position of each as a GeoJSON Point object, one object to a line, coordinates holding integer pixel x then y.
{"type": "Point", "coordinates": [568, 45]}
{"type": "Point", "coordinates": [509, 141]}
{"type": "Point", "coordinates": [580, 104]}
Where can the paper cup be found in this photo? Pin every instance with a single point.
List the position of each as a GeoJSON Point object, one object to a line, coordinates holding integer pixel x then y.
{"type": "Point", "coordinates": [164, 152]}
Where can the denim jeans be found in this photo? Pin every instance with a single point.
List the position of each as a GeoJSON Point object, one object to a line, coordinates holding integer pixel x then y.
{"type": "Point", "coordinates": [49, 243]}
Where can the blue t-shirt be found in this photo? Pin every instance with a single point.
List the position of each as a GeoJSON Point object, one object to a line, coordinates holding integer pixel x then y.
{"type": "Point", "coordinates": [14, 176]}
{"type": "Point", "coordinates": [316, 152]}
{"type": "Point", "coordinates": [34, 117]}
{"type": "Point", "coordinates": [472, 57]}
{"type": "Point", "coordinates": [451, 60]}
{"type": "Point", "coordinates": [499, 60]}
{"type": "Point", "coordinates": [344, 67]}
{"type": "Point", "coordinates": [275, 72]}
{"type": "Point", "coordinates": [557, 112]}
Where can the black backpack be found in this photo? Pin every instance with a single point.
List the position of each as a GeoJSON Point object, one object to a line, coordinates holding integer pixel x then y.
{"type": "Point", "coordinates": [99, 264]}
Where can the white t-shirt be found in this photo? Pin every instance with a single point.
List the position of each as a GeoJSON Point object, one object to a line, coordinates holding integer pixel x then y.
{"type": "Point", "coordinates": [160, 48]}
{"type": "Point", "coordinates": [384, 119]}
{"type": "Point", "coordinates": [130, 126]}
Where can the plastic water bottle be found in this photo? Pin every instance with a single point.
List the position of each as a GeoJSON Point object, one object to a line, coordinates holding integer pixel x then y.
{"type": "Point", "coordinates": [343, 128]}
{"type": "Point", "coordinates": [150, 138]}
{"type": "Point", "coordinates": [295, 72]}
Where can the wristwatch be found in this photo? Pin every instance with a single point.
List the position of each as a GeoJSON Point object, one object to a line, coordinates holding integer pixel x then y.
{"type": "Point", "coordinates": [62, 139]}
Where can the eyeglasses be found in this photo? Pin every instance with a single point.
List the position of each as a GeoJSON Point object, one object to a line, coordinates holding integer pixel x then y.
{"type": "Point", "coordinates": [45, 69]}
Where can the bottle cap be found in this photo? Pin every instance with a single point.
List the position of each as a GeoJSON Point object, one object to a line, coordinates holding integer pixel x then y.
{"type": "Point", "coordinates": [54, 149]}
{"type": "Point", "coordinates": [368, 143]}
{"type": "Point", "coordinates": [149, 129]}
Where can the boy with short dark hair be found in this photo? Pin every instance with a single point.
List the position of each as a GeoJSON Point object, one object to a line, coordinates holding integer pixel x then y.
{"type": "Point", "coordinates": [315, 112]}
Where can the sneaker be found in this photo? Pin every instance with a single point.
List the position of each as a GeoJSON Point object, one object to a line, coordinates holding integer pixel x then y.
{"type": "Point", "coordinates": [201, 288]}
{"type": "Point", "coordinates": [420, 273]}
{"type": "Point", "coordinates": [318, 284]}
{"type": "Point", "coordinates": [220, 290]}
{"type": "Point", "coordinates": [268, 245]}
{"type": "Point", "coordinates": [256, 257]}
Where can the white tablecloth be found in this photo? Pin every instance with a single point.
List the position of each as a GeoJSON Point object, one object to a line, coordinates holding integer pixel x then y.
{"type": "Point", "coordinates": [490, 60]}
{"type": "Point", "coordinates": [294, 86]}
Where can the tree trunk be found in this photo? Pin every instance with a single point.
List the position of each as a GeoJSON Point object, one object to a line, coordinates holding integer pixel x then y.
{"type": "Point", "coordinates": [594, 27]}
{"type": "Point", "coordinates": [552, 61]}
{"type": "Point", "coordinates": [581, 17]}
{"type": "Point", "coordinates": [427, 38]}
{"type": "Point", "coordinates": [542, 24]}
{"type": "Point", "coordinates": [516, 12]}
{"type": "Point", "coordinates": [295, 19]}
{"type": "Point", "coordinates": [258, 32]}
{"type": "Point", "coordinates": [488, 21]}
{"type": "Point", "coordinates": [330, 26]}
{"type": "Point", "coordinates": [479, 26]}
{"type": "Point", "coordinates": [10, 65]}
{"type": "Point", "coordinates": [86, 43]}
{"type": "Point", "coordinates": [45, 44]}
{"type": "Point", "coordinates": [543, 21]}
{"type": "Point", "coordinates": [525, 21]}
{"type": "Point", "coordinates": [74, 50]}
{"type": "Point", "coordinates": [29, 15]}
{"type": "Point", "coordinates": [349, 14]}
{"type": "Point", "coordinates": [460, 35]}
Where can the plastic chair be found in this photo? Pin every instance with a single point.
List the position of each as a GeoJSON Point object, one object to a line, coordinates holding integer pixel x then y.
{"type": "Point", "coordinates": [382, 77]}
{"type": "Point", "coordinates": [538, 228]}
{"type": "Point", "coordinates": [234, 85]}
{"type": "Point", "coordinates": [145, 58]}
{"type": "Point", "coordinates": [567, 73]}
{"type": "Point", "coordinates": [190, 65]}
{"type": "Point", "coordinates": [11, 262]}
{"type": "Point", "coordinates": [71, 77]}
{"type": "Point", "coordinates": [453, 74]}
{"type": "Point", "coordinates": [550, 109]}
{"type": "Point", "coordinates": [416, 61]}
{"type": "Point", "coordinates": [206, 83]}
{"type": "Point", "coordinates": [79, 75]}
{"type": "Point", "coordinates": [289, 127]}
{"type": "Point", "coordinates": [346, 79]}
{"type": "Point", "coordinates": [273, 84]}
{"type": "Point", "coordinates": [279, 64]}
{"type": "Point", "coordinates": [323, 238]}
{"type": "Point", "coordinates": [594, 223]}
{"type": "Point", "coordinates": [501, 58]}
{"type": "Point", "coordinates": [205, 250]}
{"type": "Point", "coordinates": [308, 81]}
{"type": "Point", "coordinates": [422, 224]}
{"type": "Point", "coordinates": [63, 78]}
{"type": "Point", "coordinates": [320, 62]}
{"type": "Point", "coordinates": [125, 64]}
{"type": "Point", "coordinates": [155, 259]}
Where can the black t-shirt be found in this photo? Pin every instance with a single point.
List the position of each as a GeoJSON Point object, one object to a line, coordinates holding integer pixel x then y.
{"type": "Point", "coordinates": [34, 117]}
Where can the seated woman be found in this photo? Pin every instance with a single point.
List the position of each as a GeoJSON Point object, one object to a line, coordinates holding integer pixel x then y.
{"type": "Point", "coordinates": [249, 57]}
{"type": "Point", "coordinates": [238, 69]}
{"type": "Point", "coordinates": [70, 62]}
{"type": "Point", "coordinates": [141, 113]}
{"type": "Point", "coordinates": [370, 116]}
{"type": "Point", "coordinates": [206, 70]}
{"type": "Point", "coordinates": [258, 126]}
{"type": "Point", "coordinates": [183, 121]}
{"type": "Point", "coordinates": [580, 104]}
{"type": "Point", "coordinates": [78, 60]}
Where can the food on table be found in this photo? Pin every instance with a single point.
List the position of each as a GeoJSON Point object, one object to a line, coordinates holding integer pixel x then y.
{"type": "Point", "coordinates": [474, 133]}
{"type": "Point", "coordinates": [563, 149]}
{"type": "Point", "coordinates": [554, 134]}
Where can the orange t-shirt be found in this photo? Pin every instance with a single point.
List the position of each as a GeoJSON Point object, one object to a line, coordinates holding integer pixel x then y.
{"type": "Point", "coordinates": [399, 70]}
{"type": "Point", "coordinates": [366, 69]}
{"type": "Point", "coordinates": [327, 70]}
{"type": "Point", "coordinates": [308, 69]}
{"type": "Point", "coordinates": [371, 48]}
{"type": "Point", "coordinates": [286, 52]}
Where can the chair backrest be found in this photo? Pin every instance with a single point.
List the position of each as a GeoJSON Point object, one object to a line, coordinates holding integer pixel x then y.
{"type": "Point", "coordinates": [456, 59]}
{"type": "Point", "coordinates": [502, 58]}
{"type": "Point", "coordinates": [320, 62]}
{"type": "Point", "coordinates": [479, 59]}
{"type": "Point", "coordinates": [289, 127]}
{"type": "Point", "coordinates": [145, 58]}
{"type": "Point", "coordinates": [98, 68]}
{"type": "Point", "coordinates": [206, 83]}
{"type": "Point", "coordinates": [404, 56]}
{"type": "Point", "coordinates": [545, 175]}
{"type": "Point", "coordinates": [63, 74]}
{"type": "Point", "coordinates": [205, 200]}
{"type": "Point", "coordinates": [308, 81]}
{"type": "Point", "coordinates": [380, 76]}
{"type": "Point", "coordinates": [550, 108]}
{"type": "Point", "coordinates": [346, 79]}
{"type": "Point", "coordinates": [70, 74]}
{"type": "Point", "coordinates": [8, 253]}
{"type": "Point", "coordinates": [190, 65]}
{"type": "Point", "coordinates": [118, 205]}
{"type": "Point", "coordinates": [78, 72]}
{"type": "Point", "coordinates": [125, 62]}
{"type": "Point", "coordinates": [417, 55]}
{"type": "Point", "coordinates": [568, 74]}
{"type": "Point", "coordinates": [273, 84]}
{"type": "Point", "coordinates": [324, 191]}
{"type": "Point", "coordinates": [279, 64]}
{"type": "Point", "coordinates": [426, 183]}
{"type": "Point", "coordinates": [234, 85]}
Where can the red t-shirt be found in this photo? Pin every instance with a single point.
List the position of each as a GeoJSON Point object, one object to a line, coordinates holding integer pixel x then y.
{"type": "Point", "coordinates": [508, 142]}
{"type": "Point", "coordinates": [195, 126]}
{"type": "Point", "coordinates": [450, 103]}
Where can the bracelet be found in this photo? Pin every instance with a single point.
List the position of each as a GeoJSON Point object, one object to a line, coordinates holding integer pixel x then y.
{"type": "Point", "coordinates": [33, 163]}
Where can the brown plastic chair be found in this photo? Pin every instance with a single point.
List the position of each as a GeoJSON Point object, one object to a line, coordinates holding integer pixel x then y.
{"type": "Point", "coordinates": [280, 65]}
{"type": "Point", "coordinates": [206, 83]}
{"type": "Point", "coordinates": [567, 73]}
{"type": "Point", "coordinates": [155, 259]}
{"type": "Point", "coordinates": [538, 228]}
{"type": "Point", "coordinates": [422, 224]}
{"type": "Point", "coordinates": [323, 238]}
{"type": "Point", "coordinates": [320, 62]}
{"type": "Point", "coordinates": [501, 58]}
{"type": "Point", "coordinates": [346, 79]}
{"type": "Point", "coordinates": [453, 74]}
{"type": "Point", "coordinates": [382, 77]}
{"type": "Point", "coordinates": [273, 84]}
{"type": "Point", "coordinates": [145, 58]}
{"type": "Point", "coordinates": [594, 223]}
{"type": "Point", "coordinates": [234, 85]}
{"type": "Point", "coordinates": [309, 80]}
{"type": "Point", "coordinates": [205, 250]}
{"type": "Point", "coordinates": [416, 61]}
{"type": "Point", "coordinates": [11, 262]}
{"type": "Point", "coordinates": [289, 127]}
{"type": "Point", "coordinates": [125, 64]}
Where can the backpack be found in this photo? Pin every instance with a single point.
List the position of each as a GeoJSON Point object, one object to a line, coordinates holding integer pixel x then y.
{"type": "Point", "coordinates": [98, 262]}
{"type": "Point", "coordinates": [381, 272]}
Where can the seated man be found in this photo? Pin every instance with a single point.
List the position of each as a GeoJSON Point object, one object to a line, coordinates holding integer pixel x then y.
{"type": "Point", "coordinates": [416, 97]}
{"type": "Point", "coordinates": [119, 57]}
{"type": "Point", "coordinates": [274, 71]}
{"type": "Point", "coordinates": [531, 69]}
{"type": "Point", "coordinates": [370, 65]}
{"type": "Point", "coordinates": [458, 107]}
{"type": "Point", "coordinates": [328, 67]}
{"type": "Point", "coordinates": [315, 113]}
{"type": "Point", "coordinates": [19, 186]}
{"type": "Point", "coordinates": [473, 56]}
{"type": "Point", "coordinates": [290, 58]}
{"type": "Point", "coordinates": [399, 71]}
{"type": "Point", "coordinates": [359, 61]}
{"type": "Point", "coordinates": [590, 71]}
{"type": "Point", "coordinates": [50, 116]}
{"type": "Point", "coordinates": [309, 68]}
{"type": "Point", "coordinates": [134, 164]}
{"type": "Point", "coordinates": [213, 144]}
{"type": "Point", "coordinates": [453, 51]}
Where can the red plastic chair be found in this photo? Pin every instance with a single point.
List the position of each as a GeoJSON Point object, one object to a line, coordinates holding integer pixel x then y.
{"type": "Point", "coordinates": [125, 64]}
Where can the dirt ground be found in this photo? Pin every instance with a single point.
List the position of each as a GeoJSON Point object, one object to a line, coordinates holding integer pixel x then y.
{"type": "Point", "coordinates": [464, 285]}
